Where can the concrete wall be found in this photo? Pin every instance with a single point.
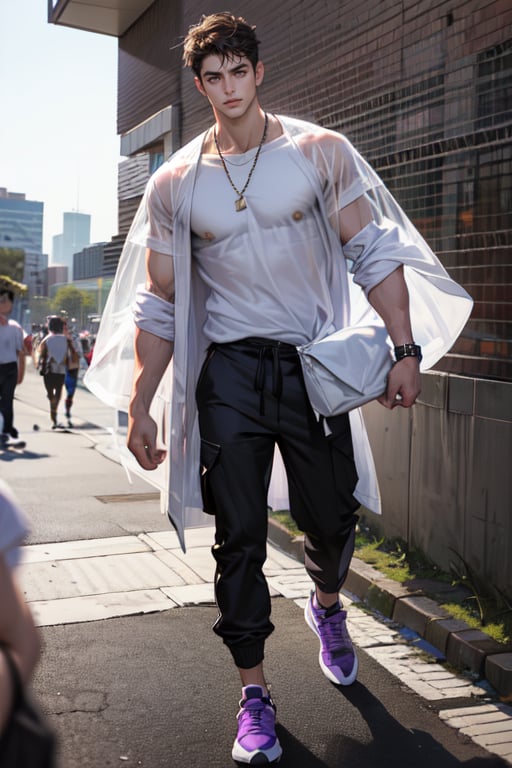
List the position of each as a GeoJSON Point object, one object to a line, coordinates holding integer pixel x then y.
{"type": "Point", "coordinates": [445, 473]}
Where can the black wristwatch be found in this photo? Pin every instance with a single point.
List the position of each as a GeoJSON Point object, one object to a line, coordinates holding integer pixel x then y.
{"type": "Point", "coordinates": [408, 350]}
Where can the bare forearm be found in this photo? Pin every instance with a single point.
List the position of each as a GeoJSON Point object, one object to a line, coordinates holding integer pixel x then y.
{"type": "Point", "coordinates": [390, 299]}
{"type": "Point", "coordinates": [152, 356]}
{"type": "Point", "coordinates": [21, 366]}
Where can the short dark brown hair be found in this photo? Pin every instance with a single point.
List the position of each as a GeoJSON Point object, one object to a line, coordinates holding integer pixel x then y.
{"type": "Point", "coordinates": [55, 324]}
{"type": "Point", "coordinates": [220, 34]}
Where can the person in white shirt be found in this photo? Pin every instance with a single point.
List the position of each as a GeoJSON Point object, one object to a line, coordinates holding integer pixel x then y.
{"type": "Point", "coordinates": [12, 357]}
{"type": "Point", "coordinates": [18, 633]}
{"type": "Point", "coordinates": [249, 232]}
{"type": "Point", "coordinates": [53, 362]}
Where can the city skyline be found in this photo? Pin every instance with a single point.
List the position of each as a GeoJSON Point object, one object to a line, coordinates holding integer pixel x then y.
{"type": "Point", "coordinates": [59, 144]}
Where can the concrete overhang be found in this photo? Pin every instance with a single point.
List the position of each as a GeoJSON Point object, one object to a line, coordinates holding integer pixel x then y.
{"type": "Point", "coordinates": [107, 17]}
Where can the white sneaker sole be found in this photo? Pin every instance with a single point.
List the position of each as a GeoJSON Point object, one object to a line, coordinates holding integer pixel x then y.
{"type": "Point", "coordinates": [342, 680]}
{"type": "Point", "coordinates": [257, 756]}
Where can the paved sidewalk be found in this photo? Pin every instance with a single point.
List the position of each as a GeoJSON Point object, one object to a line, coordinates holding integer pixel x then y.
{"type": "Point", "coordinates": [86, 594]}
{"type": "Point", "coordinates": [92, 580]}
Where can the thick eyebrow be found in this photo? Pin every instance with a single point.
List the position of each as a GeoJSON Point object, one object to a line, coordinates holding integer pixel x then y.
{"type": "Point", "coordinates": [234, 69]}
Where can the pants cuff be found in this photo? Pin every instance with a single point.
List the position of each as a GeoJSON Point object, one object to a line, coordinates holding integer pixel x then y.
{"type": "Point", "coordinates": [247, 656]}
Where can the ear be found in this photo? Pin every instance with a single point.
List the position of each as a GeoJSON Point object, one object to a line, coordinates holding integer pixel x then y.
{"type": "Point", "coordinates": [259, 71]}
{"type": "Point", "coordinates": [199, 86]}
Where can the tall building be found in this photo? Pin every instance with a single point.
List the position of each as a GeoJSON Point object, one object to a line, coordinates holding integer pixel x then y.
{"type": "Point", "coordinates": [57, 276]}
{"type": "Point", "coordinates": [21, 227]}
{"type": "Point", "coordinates": [76, 234]}
{"type": "Point", "coordinates": [88, 262]}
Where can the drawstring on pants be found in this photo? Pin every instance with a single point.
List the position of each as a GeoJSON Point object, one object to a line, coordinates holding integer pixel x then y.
{"type": "Point", "coordinates": [277, 376]}
{"type": "Point", "coordinates": [263, 350]}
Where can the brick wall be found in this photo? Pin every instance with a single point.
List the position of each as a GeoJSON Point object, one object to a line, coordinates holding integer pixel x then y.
{"type": "Point", "coordinates": [422, 88]}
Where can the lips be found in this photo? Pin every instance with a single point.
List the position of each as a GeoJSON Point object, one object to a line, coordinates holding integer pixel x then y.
{"type": "Point", "coordinates": [232, 102]}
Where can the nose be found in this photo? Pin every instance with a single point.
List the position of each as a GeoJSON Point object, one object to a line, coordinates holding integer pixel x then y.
{"type": "Point", "coordinates": [229, 85]}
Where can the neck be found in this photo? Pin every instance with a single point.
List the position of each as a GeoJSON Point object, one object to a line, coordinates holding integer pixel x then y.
{"type": "Point", "coordinates": [241, 134]}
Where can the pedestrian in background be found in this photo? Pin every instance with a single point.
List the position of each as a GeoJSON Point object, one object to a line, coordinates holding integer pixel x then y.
{"type": "Point", "coordinates": [250, 231]}
{"type": "Point", "coordinates": [53, 361]}
{"type": "Point", "coordinates": [12, 357]}
{"type": "Point", "coordinates": [18, 633]}
{"type": "Point", "coordinates": [72, 369]}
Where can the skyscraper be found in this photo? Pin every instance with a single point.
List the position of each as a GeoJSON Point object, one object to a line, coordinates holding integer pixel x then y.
{"type": "Point", "coordinates": [76, 234]}
{"type": "Point", "coordinates": [21, 227]}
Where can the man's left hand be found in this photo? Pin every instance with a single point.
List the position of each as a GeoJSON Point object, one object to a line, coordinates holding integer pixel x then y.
{"type": "Point", "coordinates": [404, 384]}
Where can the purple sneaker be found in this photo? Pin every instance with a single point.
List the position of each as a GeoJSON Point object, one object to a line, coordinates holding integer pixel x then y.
{"type": "Point", "coordinates": [256, 742]}
{"type": "Point", "coordinates": [337, 657]}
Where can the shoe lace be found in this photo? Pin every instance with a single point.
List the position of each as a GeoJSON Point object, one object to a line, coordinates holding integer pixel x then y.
{"type": "Point", "coordinates": [334, 631]}
{"type": "Point", "coordinates": [254, 713]}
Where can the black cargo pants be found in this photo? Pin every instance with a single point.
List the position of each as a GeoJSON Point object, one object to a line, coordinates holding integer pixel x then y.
{"type": "Point", "coordinates": [250, 396]}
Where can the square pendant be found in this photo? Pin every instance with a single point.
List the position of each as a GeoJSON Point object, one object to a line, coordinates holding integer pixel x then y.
{"type": "Point", "coordinates": [240, 204]}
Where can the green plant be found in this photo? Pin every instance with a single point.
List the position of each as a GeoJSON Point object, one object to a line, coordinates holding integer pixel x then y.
{"type": "Point", "coordinates": [491, 603]}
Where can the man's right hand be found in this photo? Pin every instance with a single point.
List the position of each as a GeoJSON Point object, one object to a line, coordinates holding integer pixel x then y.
{"type": "Point", "coordinates": [142, 434]}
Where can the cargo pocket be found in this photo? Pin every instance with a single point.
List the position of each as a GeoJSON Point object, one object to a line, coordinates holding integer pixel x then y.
{"type": "Point", "coordinates": [209, 454]}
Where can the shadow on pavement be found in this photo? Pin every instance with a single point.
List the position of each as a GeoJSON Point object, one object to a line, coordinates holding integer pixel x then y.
{"type": "Point", "coordinates": [13, 454]}
{"type": "Point", "coordinates": [394, 746]}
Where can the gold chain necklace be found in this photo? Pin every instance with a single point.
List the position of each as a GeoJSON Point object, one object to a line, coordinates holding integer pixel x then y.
{"type": "Point", "coordinates": [240, 202]}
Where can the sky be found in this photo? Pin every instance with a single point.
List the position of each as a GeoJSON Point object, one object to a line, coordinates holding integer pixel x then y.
{"type": "Point", "coordinates": [58, 101]}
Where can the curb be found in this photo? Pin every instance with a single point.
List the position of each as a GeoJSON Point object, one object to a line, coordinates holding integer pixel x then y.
{"type": "Point", "coordinates": [465, 648]}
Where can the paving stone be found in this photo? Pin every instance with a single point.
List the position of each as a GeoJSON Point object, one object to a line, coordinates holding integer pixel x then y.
{"type": "Point", "coordinates": [178, 566]}
{"type": "Point", "coordinates": [95, 575]}
{"type": "Point", "coordinates": [96, 607]}
{"type": "Point", "coordinates": [191, 594]}
{"type": "Point", "coordinates": [198, 559]}
{"type": "Point", "coordinates": [291, 586]}
{"type": "Point", "coordinates": [69, 550]}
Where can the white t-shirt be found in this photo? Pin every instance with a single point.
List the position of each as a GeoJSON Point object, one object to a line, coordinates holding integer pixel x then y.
{"type": "Point", "coordinates": [11, 341]}
{"type": "Point", "coordinates": [265, 266]}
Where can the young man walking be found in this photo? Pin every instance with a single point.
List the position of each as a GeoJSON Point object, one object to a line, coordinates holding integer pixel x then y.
{"type": "Point", "coordinates": [248, 232]}
{"type": "Point", "coordinates": [53, 362]}
{"type": "Point", "coordinates": [12, 357]}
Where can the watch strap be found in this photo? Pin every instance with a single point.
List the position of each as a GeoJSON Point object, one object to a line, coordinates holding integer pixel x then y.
{"type": "Point", "coordinates": [408, 350]}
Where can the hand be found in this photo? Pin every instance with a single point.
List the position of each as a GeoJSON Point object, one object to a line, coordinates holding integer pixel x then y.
{"type": "Point", "coordinates": [404, 384]}
{"type": "Point", "coordinates": [141, 441]}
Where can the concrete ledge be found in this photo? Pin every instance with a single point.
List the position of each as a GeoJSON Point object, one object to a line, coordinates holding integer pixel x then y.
{"type": "Point", "coordinates": [384, 594]}
{"type": "Point", "coordinates": [438, 632]}
{"type": "Point", "coordinates": [468, 649]}
{"type": "Point", "coordinates": [282, 538]}
{"type": "Point", "coordinates": [498, 671]}
{"type": "Point", "coordinates": [361, 578]}
{"type": "Point", "coordinates": [465, 648]}
{"type": "Point", "coordinates": [417, 611]}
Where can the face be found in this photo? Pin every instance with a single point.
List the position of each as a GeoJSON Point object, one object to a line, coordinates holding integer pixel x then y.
{"type": "Point", "coordinates": [5, 304]}
{"type": "Point", "coordinates": [229, 86]}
